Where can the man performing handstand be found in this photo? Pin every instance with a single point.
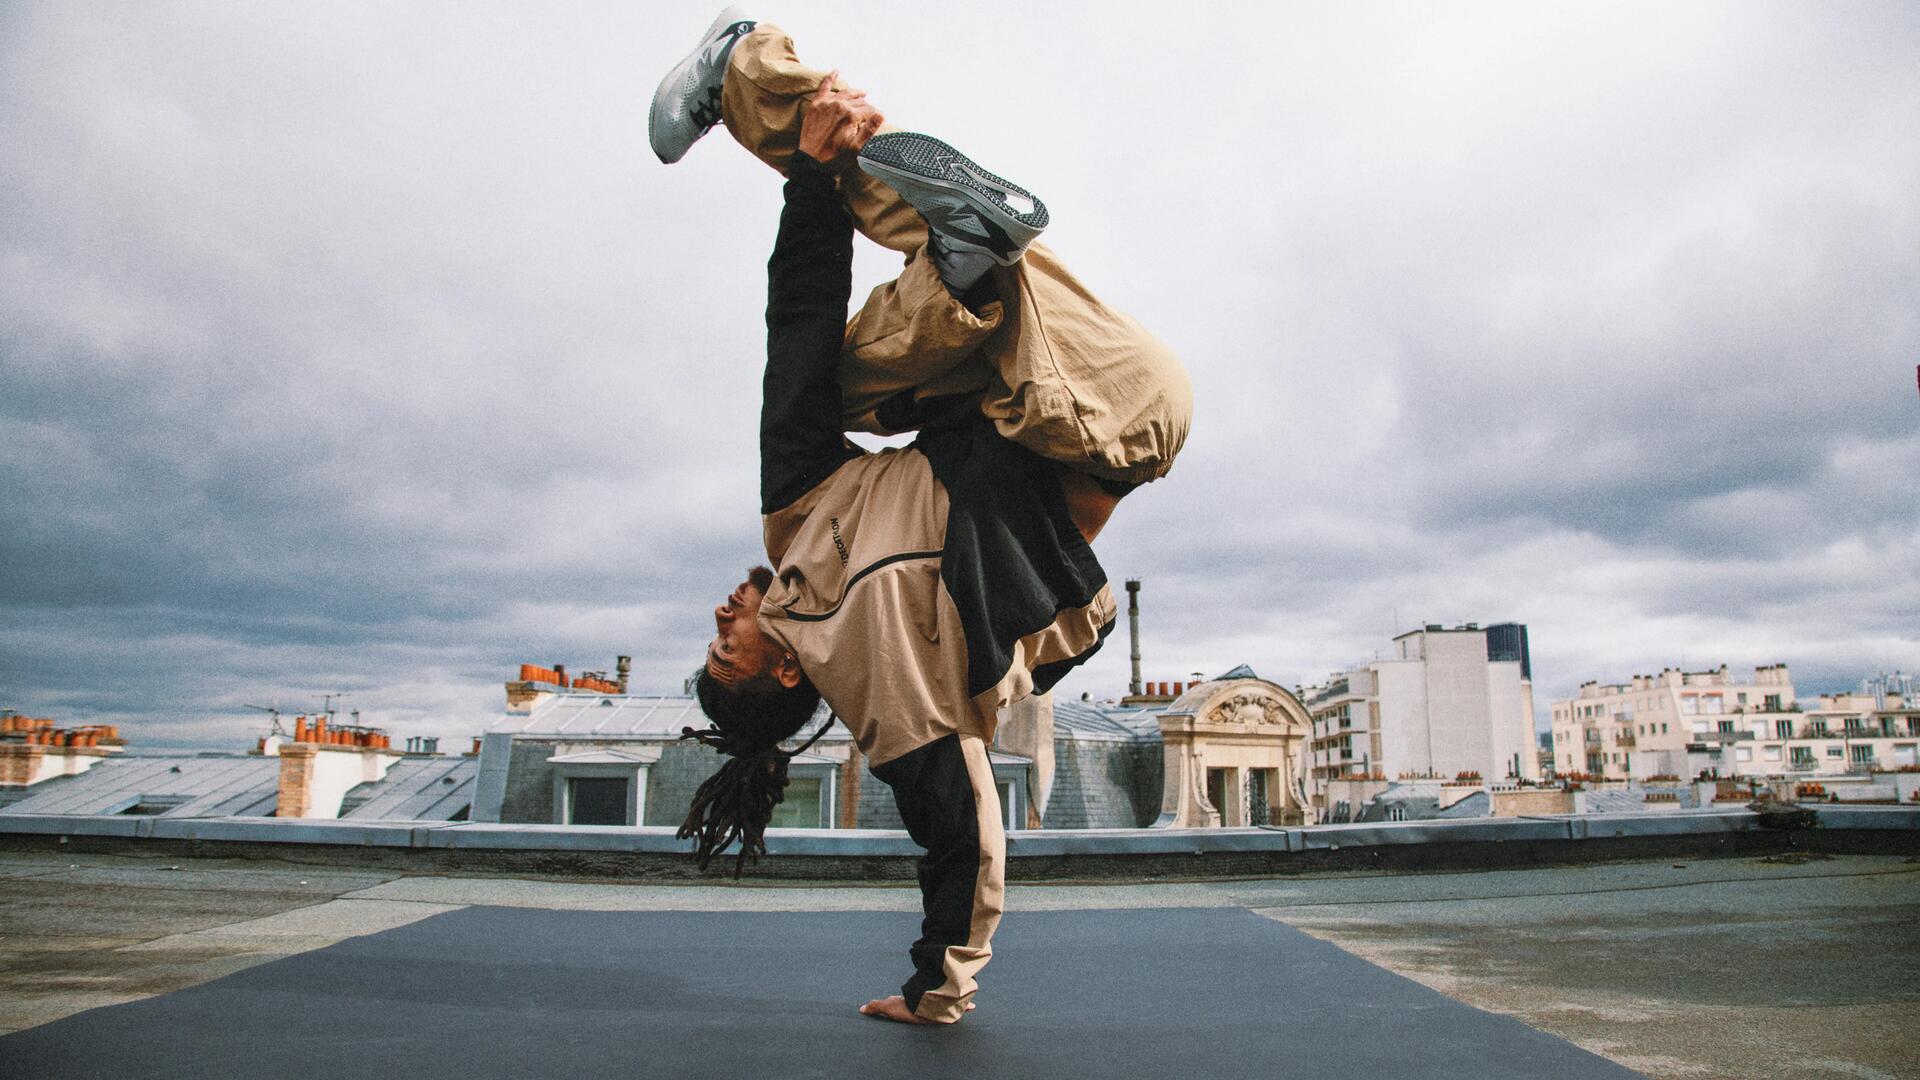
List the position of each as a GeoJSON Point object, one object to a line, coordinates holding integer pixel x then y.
{"type": "Point", "coordinates": [918, 590]}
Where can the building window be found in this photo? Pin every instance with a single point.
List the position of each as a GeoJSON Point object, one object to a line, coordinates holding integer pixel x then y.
{"type": "Point", "coordinates": [597, 800]}
{"type": "Point", "coordinates": [1834, 751]}
{"type": "Point", "coordinates": [1862, 755]}
{"type": "Point", "coordinates": [602, 785]}
{"type": "Point", "coordinates": [1262, 785]}
{"type": "Point", "coordinates": [800, 809]}
{"type": "Point", "coordinates": [1217, 793]}
{"type": "Point", "coordinates": [1783, 729]}
{"type": "Point", "coordinates": [1396, 812]}
{"type": "Point", "coordinates": [1726, 727]}
{"type": "Point", "coordinates": [1710, 704]}
{"type": "Point", "coordinates": [154, 805]}
{"type": "Point", "coordinates": [1690, 704]}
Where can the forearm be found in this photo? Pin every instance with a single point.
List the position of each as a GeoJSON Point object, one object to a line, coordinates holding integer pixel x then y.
{"type": "Point", "coordinates": [809, 278]}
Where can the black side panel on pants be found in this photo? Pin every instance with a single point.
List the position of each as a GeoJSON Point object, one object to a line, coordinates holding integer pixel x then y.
{"type": "Point", "coordinates": [935, 796]}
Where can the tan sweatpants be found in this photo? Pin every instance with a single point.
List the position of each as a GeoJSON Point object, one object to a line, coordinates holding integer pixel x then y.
{"type": "Point", "coordinates": [1060, 373]}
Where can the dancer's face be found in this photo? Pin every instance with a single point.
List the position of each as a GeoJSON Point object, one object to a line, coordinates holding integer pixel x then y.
{"type": "Point", "coordinates": [739, 651]}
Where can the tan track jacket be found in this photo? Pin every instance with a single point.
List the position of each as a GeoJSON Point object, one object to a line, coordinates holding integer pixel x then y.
{"type": "Point", "coordinates": [920, 588]}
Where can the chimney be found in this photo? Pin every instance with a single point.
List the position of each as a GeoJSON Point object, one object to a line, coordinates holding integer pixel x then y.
{"type": "Point", "coordinates": [316, 776]}
{"type": "Point", "coordinates": [295, 797]}
{"type": "Point", "coordinates": [20, 763]}
{"type": "Point", "coordinates": [1133, 626]}
{"type": "Point", "coordinates": [622, 667]}
{"type": "Point", "coordinates": [561, 670]}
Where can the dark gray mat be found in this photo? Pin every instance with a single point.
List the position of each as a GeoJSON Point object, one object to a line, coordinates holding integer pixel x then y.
{"type": "Point", "coordinates": [509, 992]}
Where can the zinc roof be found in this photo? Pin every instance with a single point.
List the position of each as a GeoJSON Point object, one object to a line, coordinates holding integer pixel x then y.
{"type": "Point", "coordinates": [415, 789]}
{"type": "Point", "coordinates": [225, 785]}
{"type": "Point", "coordinates": [1096, 722]}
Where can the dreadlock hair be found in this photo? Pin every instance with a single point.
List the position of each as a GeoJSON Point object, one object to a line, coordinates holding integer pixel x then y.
{"type": "Point", "coordinates": [750, 721]}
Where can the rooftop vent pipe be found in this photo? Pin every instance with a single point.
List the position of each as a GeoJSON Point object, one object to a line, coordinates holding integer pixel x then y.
{"type": "Point", "coordinates": [1133, 627]}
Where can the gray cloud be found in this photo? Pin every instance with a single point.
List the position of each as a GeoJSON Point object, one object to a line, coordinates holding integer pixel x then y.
{"type": "Point", "coordinates": [365, 349]}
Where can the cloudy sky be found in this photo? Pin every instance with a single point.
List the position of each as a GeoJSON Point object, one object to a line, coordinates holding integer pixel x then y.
{"type": "Point", "coordinates": [365, 348]}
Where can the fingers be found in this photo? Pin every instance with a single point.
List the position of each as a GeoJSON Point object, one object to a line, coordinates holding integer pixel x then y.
{"type": "Point", "coordinates": [831, 90]}
{"type": "Point", "coordinates": [830, 86]}
{"type": "Point", "coordinates": [837, 119]}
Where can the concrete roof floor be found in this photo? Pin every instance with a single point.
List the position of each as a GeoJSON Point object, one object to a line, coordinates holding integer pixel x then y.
{"type": "Point", "coordinates": [1742, 969]}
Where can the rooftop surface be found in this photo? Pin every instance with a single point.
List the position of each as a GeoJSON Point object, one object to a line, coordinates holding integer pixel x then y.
{"type": "Point", "coordinates": [1755, 967]}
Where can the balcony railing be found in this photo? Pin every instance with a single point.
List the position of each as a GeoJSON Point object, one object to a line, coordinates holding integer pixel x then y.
{"type": "Point", "coordinates": [1722, 736]}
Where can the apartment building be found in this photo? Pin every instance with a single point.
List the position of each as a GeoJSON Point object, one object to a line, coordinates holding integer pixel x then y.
{"type": "Point", "coordinates": [1674, 724]}
{"type": "Point", "coordinates": [1853, 734]}
{"type": "Point", "coordinates": [1446, 702]}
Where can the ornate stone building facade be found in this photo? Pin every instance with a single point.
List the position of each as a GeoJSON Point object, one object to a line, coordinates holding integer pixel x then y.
{"type": "Point", "coordinates": [1236, 755]}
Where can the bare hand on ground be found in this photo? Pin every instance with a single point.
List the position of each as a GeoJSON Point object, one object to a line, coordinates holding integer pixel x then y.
{"type": "Point", "coordinates": [836, 122]}
{"type": "Point", "coordinates": [895, 1008]}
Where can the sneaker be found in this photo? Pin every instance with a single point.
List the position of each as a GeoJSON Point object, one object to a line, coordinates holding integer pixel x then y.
{"type": "Point", "coordinates": [961, 268]}
{"type": "Point", "coordinates": [687, 103]}
{"type": "Point", "coordinates": [967, 208]}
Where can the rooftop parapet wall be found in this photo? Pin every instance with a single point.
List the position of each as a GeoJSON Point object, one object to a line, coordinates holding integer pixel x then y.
{"type": "Point", "coordinates": [889, 855]}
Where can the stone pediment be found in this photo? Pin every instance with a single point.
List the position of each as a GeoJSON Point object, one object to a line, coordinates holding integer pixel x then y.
{"type": "Point", "coordinates": [1253, 703]}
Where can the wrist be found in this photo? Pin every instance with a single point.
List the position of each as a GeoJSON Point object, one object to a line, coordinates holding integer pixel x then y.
{"type": "Point", "coordinates": [806, 169]}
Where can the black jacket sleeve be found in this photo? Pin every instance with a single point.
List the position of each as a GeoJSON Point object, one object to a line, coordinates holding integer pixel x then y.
{"type": "Point", "coordinates": [809, 279]}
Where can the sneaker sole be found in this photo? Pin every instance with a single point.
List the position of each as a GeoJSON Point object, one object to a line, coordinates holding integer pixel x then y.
{"type": "Point", "coordinates": [928, 174]}
{"type": "Point", "coordinates": [678, 82]}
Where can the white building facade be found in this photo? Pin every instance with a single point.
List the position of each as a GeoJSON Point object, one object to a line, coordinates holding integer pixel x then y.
{"type": "Point", "coordinates": [1686, 724]}
{"type": "Point", "coordinates": [1674, 725]}
{"type": "Point", "coordinates": [1445, 703]}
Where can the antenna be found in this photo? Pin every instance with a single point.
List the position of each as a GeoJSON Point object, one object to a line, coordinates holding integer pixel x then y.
{"type": "Point", "coordinates": [273, 711]}
{"type": "Point", "coordinates": [329, 706]}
